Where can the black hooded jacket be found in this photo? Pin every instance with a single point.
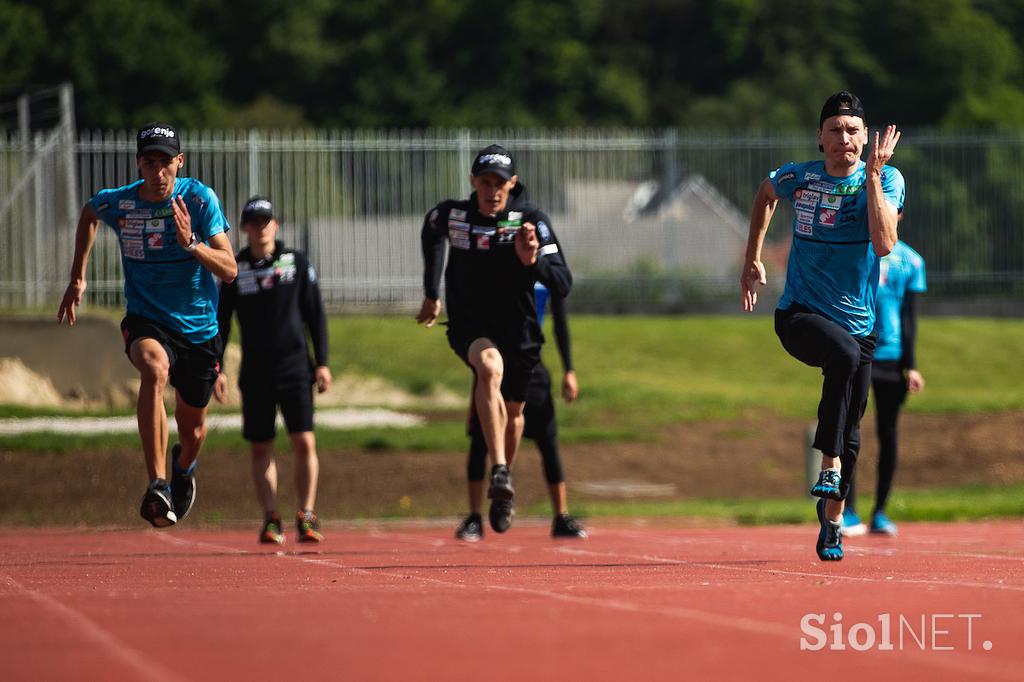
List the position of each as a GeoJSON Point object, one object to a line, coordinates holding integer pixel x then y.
{"type": "Point", "coordinates": [485, 282]}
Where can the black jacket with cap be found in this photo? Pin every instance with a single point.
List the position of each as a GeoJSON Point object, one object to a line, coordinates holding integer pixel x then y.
{"type": "Point", "coordinates": [485, 282]}
{"type": "Point", "coordinates": [277, 299]}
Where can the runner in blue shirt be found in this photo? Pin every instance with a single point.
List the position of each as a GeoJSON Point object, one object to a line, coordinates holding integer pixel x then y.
{"type": "Point", "coordinates": [893, 373]}
{"type": "Point", "coordinates": [171, 232]}
{"type": "Point", "coordinates": [845, 215]}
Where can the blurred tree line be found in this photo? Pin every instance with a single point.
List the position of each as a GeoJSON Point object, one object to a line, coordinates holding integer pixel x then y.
{"type": "Point", "coordinates": [713, 64]}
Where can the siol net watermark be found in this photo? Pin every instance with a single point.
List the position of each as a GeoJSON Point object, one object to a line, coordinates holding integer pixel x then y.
{"type": "Point", "coordinates": [893, 632]}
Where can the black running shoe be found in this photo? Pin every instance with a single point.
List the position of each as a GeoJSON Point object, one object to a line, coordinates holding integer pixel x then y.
{"type": "Point", "coordinates": [500, 515]}
{"type": "Point", "coordinates": [272, 532]}
{"type": "Point", "coordinates": [565, 526]}
{"type": "Point", "coordinates": [471, 529]}
{"type": "Point", "coordinates": [183, 484]}
{"type": "Point", "coordinates": [501, 493]}
{"type": "Point", "coordinates": [157, 507]}
{"type": "Point", "coordinates": [308, 527]}
{"type": "Point", "coordinates": [501, 483]}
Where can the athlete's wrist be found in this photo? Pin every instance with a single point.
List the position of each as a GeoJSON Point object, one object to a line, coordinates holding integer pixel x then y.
{"type": "Point", "coordinates": [193, 243]}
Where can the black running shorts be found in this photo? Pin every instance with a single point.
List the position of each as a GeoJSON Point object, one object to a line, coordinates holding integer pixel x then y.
{"type": "Point", "coordinates": [259, 410]}
{"type": "Point", "coordinates": [194, 366]}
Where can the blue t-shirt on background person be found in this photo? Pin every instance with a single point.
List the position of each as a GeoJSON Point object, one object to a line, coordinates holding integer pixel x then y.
{"type": "Point", "coordinates": [162, 281]}
{"type": "Point", "coordinates": [832, 267]}
{"type": "Point", "coordinates": [901, 271]}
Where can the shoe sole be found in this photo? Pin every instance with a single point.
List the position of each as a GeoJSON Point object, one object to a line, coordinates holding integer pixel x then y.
{"type": "Point", "coordinates": [500, 523]}
{"type": "Point", "coordinates": [469, 537]}
{"type": "Point", "coordinates": [820, 546]}
{"type": "Point", "coordinates": [157, 512]}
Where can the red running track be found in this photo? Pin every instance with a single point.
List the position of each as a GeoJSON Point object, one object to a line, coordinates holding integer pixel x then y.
{"type": "Point", "coordinates": [407, 602]}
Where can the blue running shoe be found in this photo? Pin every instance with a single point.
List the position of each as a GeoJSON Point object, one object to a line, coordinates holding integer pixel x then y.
{"type": "Point", "coordinates": [827, 485]}
{"type": "Point", "coordinates": [852, 525]}
{"type": "Point", "coordinates": [830, 537]}
{"type": "Point", "coordinates": [183, 484]}
{"type": "Point", "coordinates": [882, 524]}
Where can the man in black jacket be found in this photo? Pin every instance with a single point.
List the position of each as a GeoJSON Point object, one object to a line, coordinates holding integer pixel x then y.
{"type": "Point", "coordinates": [499, 246]}
{"type": "Point", "coordinates": [277, 298]}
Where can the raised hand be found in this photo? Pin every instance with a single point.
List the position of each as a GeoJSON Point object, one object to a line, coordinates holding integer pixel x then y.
{"type": "Point", "coordinates": [882, 149]}
{"type": "Point", "coordinates": [527, 244]}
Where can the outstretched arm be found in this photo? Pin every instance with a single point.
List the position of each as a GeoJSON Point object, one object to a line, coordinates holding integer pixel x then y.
{"type": "Point", "coordinates": [753, 272]}
{"type": "Point", "coordinates": [85, 237]}
{"type": "Point", "coordinates": [882, 215]}
{"type": "Point", "coordinates": [432, 242]}
{"type": "Point", "coordinates": [560, 322]}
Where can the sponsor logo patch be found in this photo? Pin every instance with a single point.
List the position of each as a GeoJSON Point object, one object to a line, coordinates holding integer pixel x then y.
{"type": "Point", "coordinates": [155, 225]}
{"type": "Point", "coordinates": [155, 241]}
{"type": "Point", "coordinates": [805, 205]}
{"type": "Point", "coordinates": [126, 204]}
{"type": "Point", "coordinates": [133, 248]}
{"type": "Point", "coordinates": [543, 231]}
{"type": "Point", "coordinates": [827, 216]}
{"type": "Point", "coordinates": [164, 212]}
{"type": "Point", "coordinates": [458, 225]}
{"type": "Point", "coordinates": [805, 218]}
{"type": "Point", "coordinates": [548, 249]}
{"type": "Point", "coordinates": [457, 214]}
{"type": "Point", "coordinates": [141, 214]}
{"type": "Point", "coordinates": [826, 187]}
{"type": "Point", "coordinates": [459, 239]}
{"type": "Point", "coordinates": [832, 201]}
{"type": "Point", "coordinates": [785, 177]}
{"type": "Point", "coordinates": [804, 229]}
{"type": "Point", "coordinates": [812, 176]}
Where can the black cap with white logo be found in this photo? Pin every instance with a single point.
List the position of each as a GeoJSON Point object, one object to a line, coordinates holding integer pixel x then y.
{"type": "Point", "coordinates": [158, 137]}
{"type": "Point", "coordinates": [843, 103]}
{"type": "Point", "coordinates": [257, 207]}
{"type": "Point", "coordinates": [494, 159]}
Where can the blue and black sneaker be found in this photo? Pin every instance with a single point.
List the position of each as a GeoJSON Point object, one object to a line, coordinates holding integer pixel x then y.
{"type": "Point", "coordinates": [157, 507]}
{"type": "Point", "coordinates": [830, 537]}
{"type": "Point", "coordinates": [183, 484]}
{"type": "Point", "coordinates": [827, 485]}
{"type": "Point", "coordinates": [882, 524]}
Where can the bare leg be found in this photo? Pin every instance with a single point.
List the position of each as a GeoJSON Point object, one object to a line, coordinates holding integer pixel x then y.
{"type": "Point", "coordinates": [191, 430]}
{"type": "Point", "coordinates": [150, 358]}
{"type": "Point", "coordinates": [513, 430]}
{"type": "Point", "coordinates": [264, 475]}
{"type": "Point", "coordinates": [307, 468]}
{"type": "Point", "coordinates": [490, 408]}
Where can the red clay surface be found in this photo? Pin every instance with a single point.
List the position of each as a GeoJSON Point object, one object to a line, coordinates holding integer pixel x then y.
{"type": "Point", "coordinates": [408, 602]}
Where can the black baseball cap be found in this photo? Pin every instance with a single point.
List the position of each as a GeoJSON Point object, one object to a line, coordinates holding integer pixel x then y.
{"type": "Point", "coordinates": [158, 137]}
{"type": "Point", "coordinates": [494, 159]}
{"type": "Point", "coordinates": [843, 103]}
{"type": "Point", "coordinates": [257, 207]}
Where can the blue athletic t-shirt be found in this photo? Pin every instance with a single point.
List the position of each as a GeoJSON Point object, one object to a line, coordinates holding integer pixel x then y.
{"type": "Point", "coordinates": [833, 268]}
{"type": "Point", "coordinates": [162, 281]}
{"type": "Point", "coordinates": [901, 271]}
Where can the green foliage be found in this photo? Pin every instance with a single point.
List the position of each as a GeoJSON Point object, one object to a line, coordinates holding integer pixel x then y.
{"type": "Point", "coordinates": [730, 64]}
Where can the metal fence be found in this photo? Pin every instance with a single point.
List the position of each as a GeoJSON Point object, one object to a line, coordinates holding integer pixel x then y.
{"type": "Point", "coordinates": [649, 219]}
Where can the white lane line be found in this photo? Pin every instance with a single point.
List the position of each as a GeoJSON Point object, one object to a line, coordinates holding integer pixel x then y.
{"type": "Point", "coordinates": [760, 569]}
{"type": "Point", "coordinates": [711, 563]}
{"type": "Point", "coordinates": [1007, 671]}
{"type": "Point", "coordinates": [146, 666]}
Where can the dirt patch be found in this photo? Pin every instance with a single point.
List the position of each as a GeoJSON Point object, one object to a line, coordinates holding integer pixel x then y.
{"type": "Point", "coordinates": [754, 456]}
{"type": "Point", "coordinates": [85, 366]}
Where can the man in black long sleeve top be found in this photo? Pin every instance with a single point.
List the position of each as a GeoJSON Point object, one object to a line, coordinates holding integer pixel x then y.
{"type": "Point", "coordinates": [541, 427]}
{"type": "Point", "coordinates": [498, 246]}
{"type": "Point", "coordinates": [277, 298]}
